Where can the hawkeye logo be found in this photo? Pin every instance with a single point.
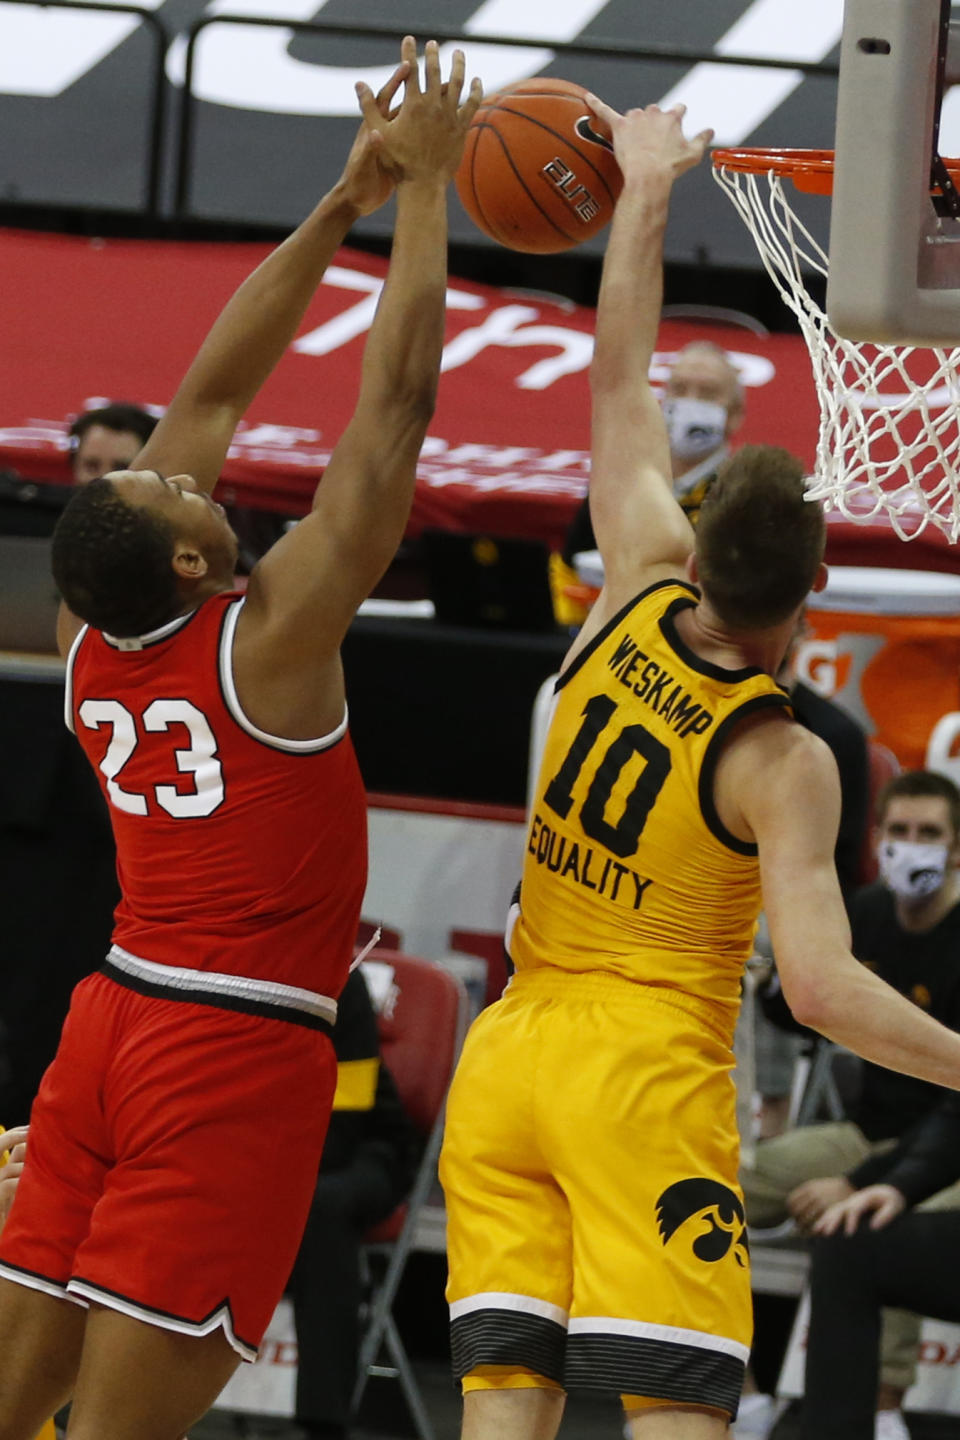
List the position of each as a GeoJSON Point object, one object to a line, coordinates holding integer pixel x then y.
{"type": "Point", "coordinates": [584, 128]}
{"type": "Point", "coordinates": [706, 1202]}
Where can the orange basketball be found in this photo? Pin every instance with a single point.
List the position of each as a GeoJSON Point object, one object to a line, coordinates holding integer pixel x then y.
{"type": "Point", "coordinates": [538, 171]}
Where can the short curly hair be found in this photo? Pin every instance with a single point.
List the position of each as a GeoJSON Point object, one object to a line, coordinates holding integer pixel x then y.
{"type": "Point", "coordinates": [112, 562]}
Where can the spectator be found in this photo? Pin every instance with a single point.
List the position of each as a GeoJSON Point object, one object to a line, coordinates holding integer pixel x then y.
{"type": "Point", "coordinates": [906, 928]}
{"type": "Point", "coordinates": [367, 1168]}
{"type": "Point", "coordinates": [107, 439]}
{"type": "Point", "coordinates": [895, 1259]}
{"type": "Point", "coordinates": [703, 408]}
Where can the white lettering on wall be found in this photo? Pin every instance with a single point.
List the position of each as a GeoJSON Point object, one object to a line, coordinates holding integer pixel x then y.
{"type": "Point", "coordinates": [505, 326]}
{"type": "Point", "coordinates": [358, 319]}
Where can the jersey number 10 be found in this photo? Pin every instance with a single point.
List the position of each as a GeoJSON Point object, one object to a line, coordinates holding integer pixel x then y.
{"type": "Point", "coordinates": [623, 838]}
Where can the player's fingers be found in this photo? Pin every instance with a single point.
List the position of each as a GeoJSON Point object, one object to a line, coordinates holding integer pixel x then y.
{"type": "Point", "coordinates": [386, 93]}
{"type": "Point", "coordinates": [431, 65]}
{"type": "Point", "coordinates": [18, 1154]}
{"type": "Point", "coordinates": [408, 53]}
{"type": "Point", "coordinates": [678, 110]}
{"type": "Point", "coordinates": [703, 139]}
{"type": "Point", "coordinates": [10, 1138]}
{"type": "Point", "coordinates": [454, 86]}
{"type": "Point", "coordinates": [471, 105]}
{"type": "Point", "coordinates": [601, 110]}
{"type": "Point", "coordinates": [368, 105]}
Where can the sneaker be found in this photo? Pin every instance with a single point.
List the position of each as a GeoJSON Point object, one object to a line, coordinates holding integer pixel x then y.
{"type": "Point", "coordinates": [890, 1425]}
{"type": "Point", "coordinates": [756, 1418]}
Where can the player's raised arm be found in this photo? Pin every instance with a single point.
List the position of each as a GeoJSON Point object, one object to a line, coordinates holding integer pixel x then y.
{"type": "Point", "coordinates": [637, 522]}
{"type": "Point", "coordinates": [305, 591]}
{"type": "Point", "coordinates": [260, 321]}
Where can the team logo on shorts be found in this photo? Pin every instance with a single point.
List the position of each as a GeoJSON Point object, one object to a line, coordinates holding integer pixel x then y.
{"type": "Point", "coordinates": [707, 1202]}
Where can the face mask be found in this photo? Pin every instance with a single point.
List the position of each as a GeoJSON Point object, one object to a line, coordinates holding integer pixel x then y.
{"type": "Point", "coordinates": [912, 871]}
{"type": "Point", "coordinates": [695, 427]}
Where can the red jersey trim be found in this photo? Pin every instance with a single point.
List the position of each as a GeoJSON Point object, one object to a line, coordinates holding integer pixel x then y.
{"type": "Point", "coordinates": [68, 679]}
{"type": "Point", "coordinates": [85, 1291]}
{"type": "Point", "coordinates": [29, 1278]}
{"type": "Point", "coordinates": [231, 700]}
{"type": "Point", "coordinates": [211, 987]}
{"type": "Point", "coordinates": [150, 637]}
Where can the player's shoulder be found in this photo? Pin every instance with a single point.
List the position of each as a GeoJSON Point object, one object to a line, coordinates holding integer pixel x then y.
{"type": "Point", "coordinates": [771, 748]}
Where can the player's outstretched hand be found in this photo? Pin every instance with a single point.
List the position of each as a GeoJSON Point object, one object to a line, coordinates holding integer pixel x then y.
{"type": "Point", "coordinates": [423, 138]}
{"type": "Point", "coordinates": [15, 1142]}
{"type": "Point", "coordinates": [642, 137]}
{"type": "Point", "coordinates": [366, 183]}
{"type": "Point", "coordinates": [882, 1203]}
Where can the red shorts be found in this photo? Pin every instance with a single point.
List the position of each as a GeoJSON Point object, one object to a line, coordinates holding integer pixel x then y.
{"type": "Point", "coordinates": [173, 1155]}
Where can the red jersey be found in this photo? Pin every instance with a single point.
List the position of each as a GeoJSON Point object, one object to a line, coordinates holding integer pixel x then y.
{"type": "Point", "coordinates": [239, 854]}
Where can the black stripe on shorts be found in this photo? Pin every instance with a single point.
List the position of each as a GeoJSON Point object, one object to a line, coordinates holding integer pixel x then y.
{"type": "Point", "coordinates": [507, 1337]}
{"type": "Point", "coordinates": [660, 1369]}
{"type": "Point", "coordinates": [219, 999]}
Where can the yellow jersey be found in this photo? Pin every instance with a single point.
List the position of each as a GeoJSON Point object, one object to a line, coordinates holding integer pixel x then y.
{"type": "Point", "coordinates": [628, 867]}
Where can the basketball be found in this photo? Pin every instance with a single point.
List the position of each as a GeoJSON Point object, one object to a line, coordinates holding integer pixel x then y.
{"type": "Point", "coordinates": [538, 171]}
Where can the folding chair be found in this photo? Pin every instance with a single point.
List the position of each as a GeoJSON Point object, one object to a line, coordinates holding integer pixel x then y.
{"type": "Point", "coordinates": [486, 945]}
{"type": "Point", "coordinates": [421, 1032]}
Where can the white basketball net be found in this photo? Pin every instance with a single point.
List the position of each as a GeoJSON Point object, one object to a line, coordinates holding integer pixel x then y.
{"type": "Point", "coordinates": [889, 441]}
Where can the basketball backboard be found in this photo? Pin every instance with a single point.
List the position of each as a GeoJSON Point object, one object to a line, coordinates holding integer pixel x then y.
{"type": "Point", "coordinates": [894, 262]}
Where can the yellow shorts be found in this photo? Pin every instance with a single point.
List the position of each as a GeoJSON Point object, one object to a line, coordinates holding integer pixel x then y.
{"type": "Point", "coordinates": [595, 1226]}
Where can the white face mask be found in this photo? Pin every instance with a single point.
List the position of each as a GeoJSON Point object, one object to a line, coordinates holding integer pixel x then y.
{"type": "Point", "coordinates": [695, 428]}
{"type": "Point", "coordinates": [910, 870]}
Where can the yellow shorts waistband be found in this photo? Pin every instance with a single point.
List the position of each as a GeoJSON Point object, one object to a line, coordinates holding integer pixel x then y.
{"type": "Point", "coordinates": [557, 983]}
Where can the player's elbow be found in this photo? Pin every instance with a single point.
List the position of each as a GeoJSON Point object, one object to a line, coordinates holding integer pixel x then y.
{"type": "Point", "coordinates": [415, 397]}
{"type": "Point", "coordinates": [808, 997]}
{"type": "Point", "coordinates": [821, 998]}
{"type": "Point", "coordinates": [612, 376]}
{"type": "Point", "coordinates": [400, 414]}
{"type": "Point", "coordinates": [807, 1008]}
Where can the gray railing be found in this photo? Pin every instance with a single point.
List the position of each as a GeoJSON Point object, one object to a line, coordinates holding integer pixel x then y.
{"type": "Point", "coordinates": [583, 48]}
{"type": "Point", "coordinates": [158, 89]}
{"type": "Point", "coordinates": [179, 148]}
